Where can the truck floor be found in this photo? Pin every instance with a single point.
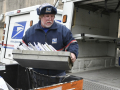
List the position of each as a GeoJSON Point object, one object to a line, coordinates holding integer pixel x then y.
{"type": "Point", "coordinates": [108, 78]}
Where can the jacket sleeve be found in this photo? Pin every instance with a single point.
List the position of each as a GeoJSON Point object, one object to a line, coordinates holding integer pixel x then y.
{"type": "Point", "coordinates": [69, 42]}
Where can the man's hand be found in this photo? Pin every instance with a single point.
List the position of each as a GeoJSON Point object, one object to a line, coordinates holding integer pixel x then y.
{"type": "Point", "coordinates": [73, 57]}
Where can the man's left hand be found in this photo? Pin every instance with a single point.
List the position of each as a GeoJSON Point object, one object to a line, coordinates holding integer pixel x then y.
{"type": "Point", "coordinates": [73, 57]}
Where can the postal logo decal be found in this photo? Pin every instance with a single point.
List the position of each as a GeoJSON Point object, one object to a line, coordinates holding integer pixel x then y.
{"type": "Point", "coordinates": [54, 40]}
{"type": "Point", "coordinates": [48, 9]}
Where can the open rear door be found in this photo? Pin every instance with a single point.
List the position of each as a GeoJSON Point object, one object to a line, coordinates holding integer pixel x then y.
{"type": "Point", "coordinates": [68, 11]}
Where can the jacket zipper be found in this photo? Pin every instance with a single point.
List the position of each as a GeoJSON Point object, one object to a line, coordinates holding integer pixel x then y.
{"type": "Point", "coordinates": [46, 42]}
{"type": "Point", "coordinates": [45, 37]}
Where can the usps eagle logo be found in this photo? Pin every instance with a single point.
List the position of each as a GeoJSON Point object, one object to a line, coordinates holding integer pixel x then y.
{"type": "Point", "coordinates": [48, 9]}
{"type": "Point", "coordinates": [18, 30]}
{"type": "Point", "coordinates": [54, 40]}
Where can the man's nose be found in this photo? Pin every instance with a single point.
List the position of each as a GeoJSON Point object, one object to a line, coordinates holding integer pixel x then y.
{"type": "Point", "coordinates": [50, 18]}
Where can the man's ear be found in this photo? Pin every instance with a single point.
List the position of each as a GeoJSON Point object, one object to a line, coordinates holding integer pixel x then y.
{"type": "Point", "coordinates": [40, 16]}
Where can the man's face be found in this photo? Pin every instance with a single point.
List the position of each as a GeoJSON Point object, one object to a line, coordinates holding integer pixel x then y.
{"type": "Point", "coordinates": [47, 20]}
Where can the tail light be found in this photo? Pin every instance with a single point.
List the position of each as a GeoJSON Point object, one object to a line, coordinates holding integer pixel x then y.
{"type": "Point", "coordinates": [4, 25]}
{"type": "Point", "coordinates": [3, 31]}
{"type": "Point", "coordinates": [3, 37]}
{"type": "Point", "coordinates": [64, 18]}
{"type": "Point", "coordinates": [18, 11]}
{"type": "Point", "coordinates": [2, 43]}
{"type": "Point", "coordinates": [2, 40]}
{"type": "Point", "coordinates": [31, 22]}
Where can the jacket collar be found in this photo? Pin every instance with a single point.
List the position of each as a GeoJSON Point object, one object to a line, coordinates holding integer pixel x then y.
{"type": "Point", "coordinates": [53, 27]}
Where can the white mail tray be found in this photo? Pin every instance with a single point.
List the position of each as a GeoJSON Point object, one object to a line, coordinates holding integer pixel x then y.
{"type": "Point", "coordinates": [59, 60]}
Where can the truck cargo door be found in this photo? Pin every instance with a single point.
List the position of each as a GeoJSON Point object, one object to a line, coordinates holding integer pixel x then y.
{"type": "Point", "coordinates": [18, 25]}
{"type": "Point", "coordinates": [68, 12]}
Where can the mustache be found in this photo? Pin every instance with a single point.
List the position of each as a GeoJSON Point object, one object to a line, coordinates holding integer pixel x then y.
{"type": "Point", "coordinates": [49, 21]}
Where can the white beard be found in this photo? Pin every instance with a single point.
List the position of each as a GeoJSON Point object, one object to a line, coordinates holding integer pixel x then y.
{"type": "Point", "coordinates": [47, 26]}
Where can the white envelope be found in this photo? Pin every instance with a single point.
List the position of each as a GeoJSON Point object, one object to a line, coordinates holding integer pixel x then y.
{"type": "Point", "coordinates": [3, 85]}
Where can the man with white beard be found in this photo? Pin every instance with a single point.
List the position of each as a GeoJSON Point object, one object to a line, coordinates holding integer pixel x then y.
{"type": "Point", "coordinates": [55, 34]}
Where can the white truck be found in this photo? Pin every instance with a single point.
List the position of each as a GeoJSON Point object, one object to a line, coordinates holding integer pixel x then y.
{"type": "Point", "coordinates": [95, 26]}
{"type": "Point", "coordinates": [16, 23]}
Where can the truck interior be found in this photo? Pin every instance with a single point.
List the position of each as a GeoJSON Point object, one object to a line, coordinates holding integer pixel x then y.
{"type": "Point", "coordinates": [95, 26]}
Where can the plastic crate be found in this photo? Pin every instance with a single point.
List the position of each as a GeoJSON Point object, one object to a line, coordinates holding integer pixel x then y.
{"type": "Point", "coordinates": [45, 82]}
{"type": "Point", "coordinates": [58, 60]}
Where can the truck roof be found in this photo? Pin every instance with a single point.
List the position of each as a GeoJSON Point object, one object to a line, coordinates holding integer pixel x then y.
{"type": "Point", "coordinates": [110, 5]}
{"type": "Point", "coordinates": [27, 10]}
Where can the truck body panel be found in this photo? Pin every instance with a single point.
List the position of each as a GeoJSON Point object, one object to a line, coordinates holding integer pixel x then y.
{"type": "Point", "coordinates": [19, 24]}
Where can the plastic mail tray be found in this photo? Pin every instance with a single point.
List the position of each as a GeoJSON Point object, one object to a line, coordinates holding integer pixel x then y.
{"type": "Point", "coordinates": [58, 60]}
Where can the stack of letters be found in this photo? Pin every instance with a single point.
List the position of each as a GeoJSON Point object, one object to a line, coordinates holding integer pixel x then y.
{"type": "Point", "coordinates": [36, 47]}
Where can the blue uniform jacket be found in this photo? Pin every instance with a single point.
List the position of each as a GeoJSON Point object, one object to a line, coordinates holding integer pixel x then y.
{"type": "Point", "coordinates": [58, 36]}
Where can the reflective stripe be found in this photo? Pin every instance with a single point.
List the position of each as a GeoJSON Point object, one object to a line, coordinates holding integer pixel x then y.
{"type": "Point", "coordinates": [24, 43]}
{"type": "Point", "coordinates": [8, 45]}
{"type": "Point", "coordinates": [73, 41]}
{"type": "Point", "coordinates": [66, 47]}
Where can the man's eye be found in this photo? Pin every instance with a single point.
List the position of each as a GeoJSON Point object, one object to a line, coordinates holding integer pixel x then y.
{"type": "Point", "coordinates": [52, 16]}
